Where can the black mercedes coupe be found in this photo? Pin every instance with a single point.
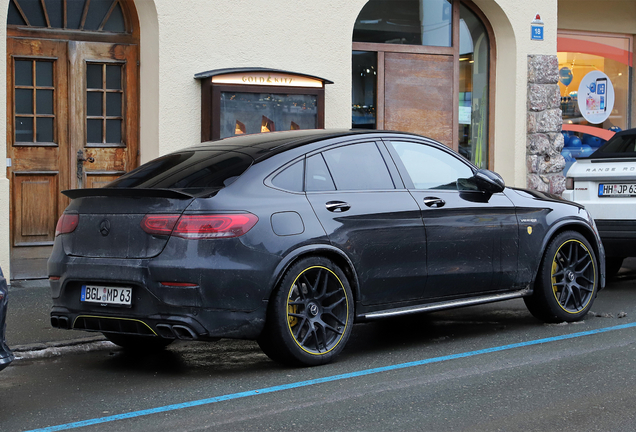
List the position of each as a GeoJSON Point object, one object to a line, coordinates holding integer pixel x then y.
{"type": "Point", "coordinates": [289, 238]}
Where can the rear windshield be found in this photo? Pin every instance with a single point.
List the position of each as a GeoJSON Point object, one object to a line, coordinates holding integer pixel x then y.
{"type": "Point", "coordinates": [620, 145]}
{"type": "Point", "coordinates": [194, 170]}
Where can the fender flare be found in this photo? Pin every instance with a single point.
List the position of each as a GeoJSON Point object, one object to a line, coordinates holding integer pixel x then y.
{"type": "Point", "coordinates": [314, 249]}
{"type": "Point", "coordinates": [562, 225]}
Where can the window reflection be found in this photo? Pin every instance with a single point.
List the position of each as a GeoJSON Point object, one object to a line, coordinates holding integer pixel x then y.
{"type": "Point", "coordinates": [363, 94]}
{"type": "Point", "coordinates": [410, 22]}
{"type": "Point", "coordinates": [248, 113]}
{"type": "Point", "coordinates": [608, 54]}
{"type": "Point", "coordinates": [473, 88]}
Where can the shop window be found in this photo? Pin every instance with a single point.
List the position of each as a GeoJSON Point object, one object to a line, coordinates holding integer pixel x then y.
{"type": "Point", "coordinates": [365, 81]}
{"type": "Point", "coordinates": [474, 59]}
{"type": "Point", "coordinates": [410, 76]}
{"type": "Point", "coordinates": [594, 80]}
{"type": "Point", "coordinates": [581, 53]}
{"type": "Point", "coordinates": [408, 22]}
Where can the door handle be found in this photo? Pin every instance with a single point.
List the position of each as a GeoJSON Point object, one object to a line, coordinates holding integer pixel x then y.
{"type": "Point", "coordinates": [434, 202]}
{"type": "Point", "coordinates": [337, 206]}
{"type": "Point", "coordinates": [80, 165]}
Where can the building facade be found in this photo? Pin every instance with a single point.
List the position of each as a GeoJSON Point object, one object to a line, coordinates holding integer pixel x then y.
{"type": "Point", "coordinates": [92, 89]}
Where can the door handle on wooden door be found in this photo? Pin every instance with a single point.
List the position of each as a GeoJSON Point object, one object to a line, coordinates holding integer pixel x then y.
{"type": "Point", "coordinates": [80, 164]}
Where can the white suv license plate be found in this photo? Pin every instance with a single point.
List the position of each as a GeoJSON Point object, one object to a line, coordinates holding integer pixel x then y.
{"type": "Point", "coordinates": [617, 190]}
{"type": "Point", "coordinates": [106, 295]}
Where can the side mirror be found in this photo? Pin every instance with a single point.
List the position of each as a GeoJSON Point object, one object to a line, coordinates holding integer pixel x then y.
{"type": "Point", "coordinates": [489, 181]}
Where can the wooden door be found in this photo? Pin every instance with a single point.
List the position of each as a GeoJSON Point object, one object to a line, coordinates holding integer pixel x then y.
{"type": "Point", "coordinates": [418, 94]}
{"type": "Point", "coordinates": [37, 142]}
{"type": "Point", "coordinates": [72, 122]}
{"type": "Point", "coordinates": [103, 112]}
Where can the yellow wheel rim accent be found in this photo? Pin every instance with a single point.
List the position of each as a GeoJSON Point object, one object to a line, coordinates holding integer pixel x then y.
{"type": "Point", "coordinates": [294, 321]}
{"type": "Point", "coordinates": [554, 270]}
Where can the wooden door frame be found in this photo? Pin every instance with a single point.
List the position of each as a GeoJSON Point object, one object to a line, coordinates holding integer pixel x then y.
{"type": "Point", "coordinates": [67, 161]}
{"type": "Point", "coordinates": [382, 48]}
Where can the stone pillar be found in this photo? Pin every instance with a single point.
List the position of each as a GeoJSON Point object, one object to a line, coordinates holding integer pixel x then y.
{"type": "Point", "coordinates": [544, 140]}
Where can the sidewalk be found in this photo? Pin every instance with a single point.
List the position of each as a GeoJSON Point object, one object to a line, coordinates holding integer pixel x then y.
{"type": "Point", "coordinates": [28, 326]}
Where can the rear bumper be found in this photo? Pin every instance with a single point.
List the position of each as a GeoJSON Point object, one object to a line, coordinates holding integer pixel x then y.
{"type": "Point", "coordinates": [200, 325]}
{"type": "Point", "coordinates": [228, 301]}
{"type": "Point", "coordinates": [618, 236]}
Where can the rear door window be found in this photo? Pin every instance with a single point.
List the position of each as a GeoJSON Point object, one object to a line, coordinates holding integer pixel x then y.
{"type": "Point", "coordinates": [318, 177]}
{"type": "Point", "coordinates": [358, 167]}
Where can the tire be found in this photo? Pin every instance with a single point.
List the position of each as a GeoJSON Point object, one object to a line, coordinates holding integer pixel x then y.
{"type": "Point", "coordinates": [612, 266]}
{"type": "Point", "coordinates": [567, 282]}
{"type": "Point", "coordinates": [138, 343]}
{"type": "Point", "coordinates": [310, 315]}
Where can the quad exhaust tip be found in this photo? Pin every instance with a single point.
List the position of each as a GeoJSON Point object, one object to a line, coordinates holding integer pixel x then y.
{"type": "Point", "coordinates": [165, 330]}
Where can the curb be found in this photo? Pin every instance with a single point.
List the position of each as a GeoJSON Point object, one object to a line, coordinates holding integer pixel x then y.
{"type": "Point", "coordinates": [59, 344]}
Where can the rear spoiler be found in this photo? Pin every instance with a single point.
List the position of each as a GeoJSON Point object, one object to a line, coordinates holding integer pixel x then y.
{"type": "Point", "coordinates": [127, 192]}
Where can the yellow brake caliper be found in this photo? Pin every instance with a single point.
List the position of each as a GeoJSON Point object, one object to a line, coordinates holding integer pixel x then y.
{"type": "Point", "coordinates": [292, 309]}
{"type": "Point", "coordinates": [554, 269]}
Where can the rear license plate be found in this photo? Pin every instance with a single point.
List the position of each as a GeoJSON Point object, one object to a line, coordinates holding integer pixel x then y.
{"type": "Point", "coordinates": [106, 295]}
{"type": "Point", "coordinates": [617, 190]}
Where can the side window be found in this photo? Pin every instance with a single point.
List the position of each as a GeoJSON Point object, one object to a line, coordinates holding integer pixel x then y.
{"type": "Point", "coordinates": [358, 167]}
{"type": "Point", "coordinates": [317, 175]}
{"type": "Point", "coordinates": [431, 168]}
{"type": "Point", "coordinates": [291, 178]}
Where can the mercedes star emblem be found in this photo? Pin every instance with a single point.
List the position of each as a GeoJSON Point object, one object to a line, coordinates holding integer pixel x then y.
{"type": "Point", "coordinates": [104, 227]}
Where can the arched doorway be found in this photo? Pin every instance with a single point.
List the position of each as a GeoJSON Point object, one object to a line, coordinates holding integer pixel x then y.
{"type": "Point", "coordinates": [426, 66]}
{"type": "Point", "coordinates": [72, 111]}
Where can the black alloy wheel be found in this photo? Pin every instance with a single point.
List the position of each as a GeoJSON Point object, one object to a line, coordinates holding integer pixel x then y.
{"type": "Point", "coordinates": [567, 282]}
{"type": "Point", "coordinates": [310, 316]}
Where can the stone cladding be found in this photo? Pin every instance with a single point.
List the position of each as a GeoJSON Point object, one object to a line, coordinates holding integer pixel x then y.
{"type": "Point", "coordinates": [544, 140]}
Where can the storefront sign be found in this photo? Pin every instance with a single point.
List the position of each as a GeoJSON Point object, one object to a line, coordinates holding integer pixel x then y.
{"type": "Point", "coordinates": [267, 79]}
{"type": "Point", "coordinates": [536, 28]}
{"type": "Point", "coordinates": [596, 97]}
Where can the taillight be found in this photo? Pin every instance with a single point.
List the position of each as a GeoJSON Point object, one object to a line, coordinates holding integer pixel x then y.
{"type": "Point", "coordinates": [569, 183]}
{"type": "Point", "coordinates": [159, 224]}
{"type": "Point", "coordinates": [66, 224]}
{"type": "Point", "coordinates": [199, 226]}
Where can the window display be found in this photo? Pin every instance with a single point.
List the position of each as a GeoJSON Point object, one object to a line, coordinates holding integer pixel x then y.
{"type": "Point", "coordinates": [241, 101]}
{"type": "Point", "coordinates": [594, 71]}
{"type": "Point", "coordinates": [247, 113]}
{"type": "Point", "coordinates": [580, 54]}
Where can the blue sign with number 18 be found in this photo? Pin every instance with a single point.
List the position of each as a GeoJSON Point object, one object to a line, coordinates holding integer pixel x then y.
{"type": "Point", "coordinates": [537, 32]}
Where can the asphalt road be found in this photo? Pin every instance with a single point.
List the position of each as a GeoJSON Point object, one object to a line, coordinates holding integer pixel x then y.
{"type": "Point", "coordinates": [484, 368]}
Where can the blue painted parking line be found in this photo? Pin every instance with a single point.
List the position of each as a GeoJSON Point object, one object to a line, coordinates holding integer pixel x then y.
{"type": "Point", "coordinates": [332, 378]}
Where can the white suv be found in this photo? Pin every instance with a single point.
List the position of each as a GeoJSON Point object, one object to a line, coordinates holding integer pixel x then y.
{"type": "Point", "coordinates": [605, 183]}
